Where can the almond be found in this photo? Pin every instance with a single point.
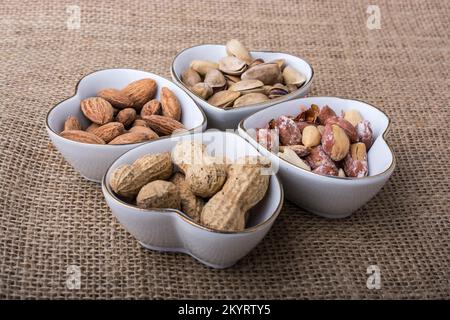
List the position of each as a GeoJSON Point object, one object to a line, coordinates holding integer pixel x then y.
{"type": "Point", "coordinates": [150, 108]}
{"type": "Point", "coordinates": [163, 125]}
{"type": "Point", "coordinates": [170, 104]}
{"type": "Point", "coordinates": [140, 123]}
{"type": "Point", "coordinates": [116, 98]}
{"type": "Point", "coordinates": [92, 127]}
{"type": "Point", "coordinates": [126, 116]}
{"type": "Point", "coordinates": [98, 110]}
{"type": "Point", "coordinates": [109, 131]}
{"type": "Point", "coordinates": [140, 92]}
{"type": "Point", "coordinates": [149, 132]}
{"type": "Point", "coordinates": [130, 137]}
{"type": "Point", "coordinates": [81, 136]}
{"type": "Point", "coordinates": [72, 123]}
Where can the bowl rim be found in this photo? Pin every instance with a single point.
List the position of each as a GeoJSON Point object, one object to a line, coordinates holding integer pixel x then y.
{"type": "Point", "coordinates": [192, 130]}
{"type": "Point", "coordinates": [383, 135]}
{"type": "Point", "coordinates": [268, 103]}
{"type": "Point", "coordinates": [107, 188]}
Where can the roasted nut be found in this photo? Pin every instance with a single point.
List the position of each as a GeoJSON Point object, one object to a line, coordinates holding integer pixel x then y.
{"type": "Point", "coordinates": [98, 110]}
{"type": "Point", "coordinates": [140, 92]}
{"type": "Point", "coordinates": [140, 122]}
{"type": "Point", "coordinates": [190, 77]}
{"type": "Point", "coordinates": [355, 163]}
{"type": "Point", "coordinates": [81, 136]}
{"type": "Point", "coordinates": [309, 115]}
{"type": "Point", "coordinates": [346, 126]}
{"type": "Point", "coordinates": [317, 157]}
{"type": "Point", "coordinates": [109, 131]}
{"type": "Point", "coordinates": [352, 116]}
{"type": "Point", "coordinates": [326, 170]}
{"type": "Point", "coordinates": [190, 203]}
{"type": "Point", "coordinates": [302, 125]}
{"type": "Point", "coordinates": [170, 105]}
{"type": "Point", "coordinates": [325, 113]}
{"type": "Point", "coordinates": [268, 138]}
{"type": "Point", "coordinates": [130, 137]}
{"type": "Point", "coordinates": [335, 142]}
{"type": "Point", "coordinates": [299, 149]}
{"type": "Point", "coordinates": [291, 156]}
{"type": "Point", "coordinates": [288, 130]}
{"type": "Point", "coordinates": [116, 98]}
{"type": "Point", "coordinates": [126, 116]}
{"type": "Point", "coordinates": [72, 123]}
{"type": "Point", "coordinates": [311, 136]}
{"type": "Point", "coordinates": [365, 134]}
{"type": "Point", "coordinates": [149, 132]}
{"type": "Point", "coordinates": [151, 108]}
{"type": "Point", "coordinates": [164, 125]}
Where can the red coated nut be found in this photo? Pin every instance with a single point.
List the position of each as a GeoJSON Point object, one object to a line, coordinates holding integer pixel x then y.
{"type": "Point", "coordinates": [268, 138]}
{"type": "Point", "coordinates": [325, 113]}
{"type": "Point", "coordinates": [325, 170]}
{"type": "Point", "coordinates": [335, 142]}
{"type": "Point", "coordinates": [355, 163]}
{"type": "Point", "coordinates": [289, 132]}
{"type": "Point", "coordinates": [365, 134]}
{"type": "Point", "coordinates": [346, 126]}
{"type": "Point", "coordinates": [317, 157]}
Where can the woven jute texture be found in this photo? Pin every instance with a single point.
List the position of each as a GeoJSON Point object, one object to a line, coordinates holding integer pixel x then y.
{"type": "Point", "coordinates": [50, 217]}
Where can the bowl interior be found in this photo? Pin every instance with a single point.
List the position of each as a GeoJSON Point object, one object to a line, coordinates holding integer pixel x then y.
{"type": "Point", "coordinates": [380, 156]}
{"type": "Point", "coordinates": [191, 116]}
{"type": "Point", "coordinates": [216, 52]}
{"type": "Point", "coordinates": [218, 143]}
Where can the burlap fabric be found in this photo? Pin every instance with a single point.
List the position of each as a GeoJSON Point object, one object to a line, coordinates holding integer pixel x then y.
{"type": "Point", "coordinates": [51, 217]}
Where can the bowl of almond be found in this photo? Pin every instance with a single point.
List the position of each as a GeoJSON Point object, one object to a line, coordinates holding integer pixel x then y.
{"type": "Point", "coordinates": [113, 111]}
{"type": "Point", "coordinates": [331, 153]}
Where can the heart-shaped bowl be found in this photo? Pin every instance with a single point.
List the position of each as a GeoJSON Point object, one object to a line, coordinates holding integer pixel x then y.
{"type": "Point", "coordinates": [172, 230]}
{"type": "Point", "coordinates": [328, 196]}
{"type": "Point", "coordinates": [92, 160]}
{"type": "Point", "coordinates": [229, 118]}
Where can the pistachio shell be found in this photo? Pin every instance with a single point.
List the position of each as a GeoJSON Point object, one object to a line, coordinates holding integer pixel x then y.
{"type": "Point", "coordinates": [292, 76]}
{"type": "Point", "coordinates": [248, 86]}
{"type": "Point", "coordinates": [278, 90]}
{"type": "Point", "coordinates": [256, 62]}
{"type": "Point", "coordinates": [268, 73]}
{"type": "Point", "coordinates": [232, 65]}
{"type": "Point", "coordinates": [202, 90]}
{"type": "Point", "coordinates": [215, 79]}
{"type": "Point", "coordinates": [235, 48]}
{"type": "Point", "coordinates": [224, 99]}
{"type": "Point", "coordinates": [203, 66]}
{"type": "Point", "coordinates": [291, 87]}
{"type": "Point", "coordinates": [190, 77]}
{"type": "Point", "coordinates": [279, 62]}
{"type": "Point", "coordinates": [231, 78]}
{"type": "Point", "coordinates": [249, 99]}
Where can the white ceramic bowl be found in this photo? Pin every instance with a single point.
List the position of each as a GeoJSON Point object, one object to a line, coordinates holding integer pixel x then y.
{"type": "Point", "coordinates": [330, 197]}
{"type": "Point", "coordinates": [171, 230]}
{"type": "Point", "coordinates": [92, 160]}
{"type": "Point", "coordinates": [229, 119]}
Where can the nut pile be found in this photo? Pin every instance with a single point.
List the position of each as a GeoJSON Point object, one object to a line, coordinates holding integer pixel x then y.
{"type": "Point", "coordinates": [320, 141]}
{"type": "Point", "coordinates": [239, 80]}
{"type": "Point", "coordinates": [130, 115]}
{"type": "Point", "coordinates": [210, 190]}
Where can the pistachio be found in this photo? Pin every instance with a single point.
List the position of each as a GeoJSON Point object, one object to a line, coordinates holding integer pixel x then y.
{"type": "Point", "coordinates": [203, 66]}
{"type": "Point", "coordinates": [256, 62]}
{"type": "Point", "coordinates": [190, 77]}
{"type": "Point", "coordinates": [278, 90]}
{"type": "Point", "coordinates": [250, 98]}
{"type": "Point", "coordinates": [268, 73]}
{"type": "Point", "coordinates": [235, 48]}
{"type": "Point", "coordinates": [248, 86]}
{"type": "Point", "coordinates": [215, 79]}
{"type": "Point", "coordinates": [202, 90]}
{"type": "Point", "coordinates": [279, 62]}
{"type": "Point", "coordinates": [232, 65]}
{"type": "Point", "coordinates": [292, 76]}
{"type": "Point", "coordinates": [224, 99]}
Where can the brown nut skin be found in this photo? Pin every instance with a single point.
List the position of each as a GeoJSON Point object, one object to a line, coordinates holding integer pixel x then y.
{"type": "Point", "coordinates": [72, 123]}
{"type": "Point", "coordinates": [126, 117]}
{"type": "Point", "coordinates": [163, 125]}
{"type": "Point", "coordinates": [355, 163]}
{"type": "Point", "coordinates": [140, 123]}
{"type": "Point", "coordinates": [82, 136]}
{"type": "Point", "coordinates": [109, 131]}
{"type": "Point", "coordinates": [309, 114]}
{"type": "Point", "coordinates": [140, 92]}
{"type": "Point", "coordinates": [130, 137]}
{"type": "Point", "coordinates": [98, 110]}
{"type": "Point", "coordinates": [116, 98]}
{"type": "Point", "coordinates": [365, 134]}
{"type": "Point", "coordinates": [335, 142]}
{"type": "Point", "coordinates": [190, 203]}
{"type": "Point", "coordinates": [170, 106]}
{"type": "Point", "coordinates": [150, 108]}
{"type": "Point", "coordinates": [288, 131]}
{"type": "Point", "coordinates": [302, 125]}
{"type": "Point", "coordinates": [346, 126]}
{"type": "Point", "coordinates": [159, 194]}
{"type": "Point", "coordinates": [325, 113]}
{"type": "Point", "coordinates": [317, 157]}
{"type": "Point", "coordinates": [151, 135]}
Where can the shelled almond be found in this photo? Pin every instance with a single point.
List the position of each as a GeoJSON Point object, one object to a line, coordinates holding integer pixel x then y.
{"type": "Point", "coordinates": [114, 115]}
{"type": "Point", "coordinates": [320, 141]}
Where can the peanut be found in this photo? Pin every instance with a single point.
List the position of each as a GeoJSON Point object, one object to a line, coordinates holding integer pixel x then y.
{"type": "Point", "coordinates": [190, 203]}
{"type": "Point", "coordinates": [159, 194]}
{"type": "Point", "coordinates": [244, 188]}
